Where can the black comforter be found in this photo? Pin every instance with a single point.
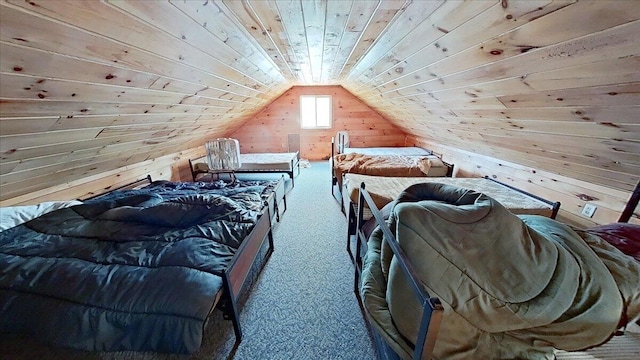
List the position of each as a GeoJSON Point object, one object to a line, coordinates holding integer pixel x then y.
{"type": "Point", "coordinates": [132, 270]}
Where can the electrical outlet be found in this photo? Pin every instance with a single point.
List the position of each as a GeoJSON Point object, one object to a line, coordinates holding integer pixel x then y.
{"type": "Point", "coordinates": [589, 210]}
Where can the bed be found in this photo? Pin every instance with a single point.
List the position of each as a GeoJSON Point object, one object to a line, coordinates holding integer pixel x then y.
{"type": "Point", "coordinates": [135, 269]}
{"type": "Point", "coordinates": [287, 163]}
{"type": "Point", "coordinates": [383, 190]}
{"type": "Point", "coordinates": [450, 273]}
{"type": "Point", "coordinates": [383, 161]}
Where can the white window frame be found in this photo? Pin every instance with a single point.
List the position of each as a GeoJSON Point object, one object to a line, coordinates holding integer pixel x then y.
{"type": "Point", "coordinates": [330, 111]}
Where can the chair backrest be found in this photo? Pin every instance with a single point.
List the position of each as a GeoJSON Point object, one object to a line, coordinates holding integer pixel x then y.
{"type": "Point", "coordinates": [342, 140]}
{"type": "Point", "coordinates": [223, 154]}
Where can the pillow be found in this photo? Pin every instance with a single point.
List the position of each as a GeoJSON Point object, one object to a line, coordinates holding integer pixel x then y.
{"type": "Point", "coordinates": [15, 215]}
{"type": "Point", "coordinates": [437, 168]}
{"type": "Point", "coordinates": [200, 167]}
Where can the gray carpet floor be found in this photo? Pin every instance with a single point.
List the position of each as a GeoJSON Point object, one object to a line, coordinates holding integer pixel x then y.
{"type": "Point", "coordinates": [301, 306]}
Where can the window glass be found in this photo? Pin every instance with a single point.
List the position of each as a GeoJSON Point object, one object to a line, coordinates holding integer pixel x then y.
{"type": "Point", "coordinates": [315, 111]}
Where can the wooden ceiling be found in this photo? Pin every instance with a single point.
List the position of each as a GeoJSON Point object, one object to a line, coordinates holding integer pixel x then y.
{"type": "Point", "coordinates": [93, 86]}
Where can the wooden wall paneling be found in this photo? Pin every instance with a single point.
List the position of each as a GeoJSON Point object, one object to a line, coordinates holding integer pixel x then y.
{"type": "Point", "coordinates": [32, 158]}
{"type": "Point", "coordinates": [573, 194]}
{"type": "Point", "coordinates": [83, 170]}
{"type": "Point", "coordinates": [597, 163]}
{"type": "Point", "coordinates": [608, 72]}
{"type": "Point", "coordinates": [260, 29]}
{"type": "Point", "coordinates": [219, 21]}
{"type": "Point", "coordinates": [159, 169]}
{"type": "Point", "coordinates": [265, 16]}
{"type": "Point", "coordinates": [444, 20]}
{"type": "Point", "coordinates": [599, 114]}
{"type": "Point", "coordinates": [20, 59]}
{"type": "Point", "coordinates": [105, 19]}
{"type": "Point", "coordinates": [79, 122]}
{"type": "Point", "coordinates": [610, 95]}
{"type": "Point", "coordinates": [43, 64]}
{"type": "Point", "coordinates": [27, 87]}
{"type": "Point", "coordinates": [413, 17]}
{"type": "Point", "coordinates": [24, 28]}
{"type": "Point", "coordinates": [39, 108]}
{"type": "Point", "coordinates": [577, 129]}
{"type": "Point", "coordinates": [13, 126]}
{"type": "Point", "coordinates": [179, 25]}
{"type": "Point", "coordinates": [407, 58]}
{"type": "Point", "coordinates": [292, 19]}
{"type": "Point", "coordinates": [335, 27]}
{"type": "Point", "coordinates": [268, 130]}
{"type": "Point", "coordinates": [24, 60]}
{"type": "Point", "coordinates": [499, 146]}
{"type": "Point", "coordinates": [620, 41]}
{"type": "Point", "coordinates": [378, 23]}
{"type": "Point", "coordinates": [360, 15]}
{"type": "Point", "coordinates": [46, 157]}
{"type": "Point", "coordinates": [314, 13]}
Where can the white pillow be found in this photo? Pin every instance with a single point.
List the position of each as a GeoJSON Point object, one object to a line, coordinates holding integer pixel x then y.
{"type": "Point", "coordinates": [437, 168]}
{"type": "Point", "coordinates": [11, 216]}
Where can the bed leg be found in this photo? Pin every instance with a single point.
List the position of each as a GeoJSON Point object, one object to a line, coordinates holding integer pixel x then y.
{"type": "Point", "coordinates": [351, 230]}
{"type": "Point", "coordinates": [231, 309]}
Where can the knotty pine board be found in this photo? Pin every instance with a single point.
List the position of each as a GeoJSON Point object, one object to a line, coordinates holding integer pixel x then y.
{"type": "Point", "coordinates": [572, 193]}
{"type": "Point", "coordinates": [268, 130]}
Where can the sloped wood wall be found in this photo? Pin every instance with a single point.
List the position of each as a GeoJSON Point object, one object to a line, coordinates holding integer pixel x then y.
{"type": "Point", "coordinates": [553, 86]}
{"type": "Point", "coordinates": [573, 194]}
{"type": "Point", "coordinates": [90, 87]}
{"type": "Point", "coordinates": [268, 131]}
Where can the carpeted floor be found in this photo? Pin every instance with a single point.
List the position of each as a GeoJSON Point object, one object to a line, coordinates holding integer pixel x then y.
{"type": "Point", "coordinates": [301, 306]}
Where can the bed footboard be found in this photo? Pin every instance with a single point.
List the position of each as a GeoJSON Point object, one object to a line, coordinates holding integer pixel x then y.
{"type": "Point", "coordinates": [239, 269]}
{"type": "Point", "coordinates": [555, 205]}
{"type": "Point", "coordinates": [278, 196]}
{"type": "Point", "coordinates": [432, 309]}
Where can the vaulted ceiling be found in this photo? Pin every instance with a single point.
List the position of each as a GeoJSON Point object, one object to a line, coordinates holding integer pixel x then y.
{"type": "Point", "coordinates": [92, 86]}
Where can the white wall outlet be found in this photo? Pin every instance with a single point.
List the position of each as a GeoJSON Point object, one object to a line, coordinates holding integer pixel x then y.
{"type": "Point", "coordinates": [589, 210]}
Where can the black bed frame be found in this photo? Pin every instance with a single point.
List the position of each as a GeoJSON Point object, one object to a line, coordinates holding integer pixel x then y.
{"type": "Point", "coordinates": [352, 218]}
{"type": "Point", "coordinates": [432, 309]}
{"type": "Point", "coordinates": [295, 164]}
{"type": "Point", "coordinates": [631, 206]}
{"type": "Point", "coordinates": [245, 258]}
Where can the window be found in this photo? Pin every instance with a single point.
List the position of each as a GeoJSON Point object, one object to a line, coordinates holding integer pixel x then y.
{"type": "Point", "coordinates": [315, 111]}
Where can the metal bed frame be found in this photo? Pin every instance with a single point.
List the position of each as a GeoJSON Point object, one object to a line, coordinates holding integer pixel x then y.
{"type": "Point", "coordinates": [236, 274]}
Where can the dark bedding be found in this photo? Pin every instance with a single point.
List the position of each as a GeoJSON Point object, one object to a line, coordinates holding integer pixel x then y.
{"type": "Point", "coordinates": [130, 270]}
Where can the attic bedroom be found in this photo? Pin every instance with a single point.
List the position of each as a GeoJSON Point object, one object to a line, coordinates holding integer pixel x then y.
{"type": "Point", "coordinates": [538, 99]}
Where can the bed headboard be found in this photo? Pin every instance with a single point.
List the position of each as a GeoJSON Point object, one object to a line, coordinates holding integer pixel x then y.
{"type": "Point", "coordinates": [343, 140]}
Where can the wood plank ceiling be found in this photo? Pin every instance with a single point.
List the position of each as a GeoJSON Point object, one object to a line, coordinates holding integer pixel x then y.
{"type": "Point", "coordinates": [92, 86]}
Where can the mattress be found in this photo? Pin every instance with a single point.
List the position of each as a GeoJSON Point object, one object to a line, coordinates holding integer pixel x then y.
{"type": "Point", "coordinates": [268, 161]}
{"type": "Point", "coordinates": [383, 190]}
{"type": "Point", "coordinates": [405, 150]}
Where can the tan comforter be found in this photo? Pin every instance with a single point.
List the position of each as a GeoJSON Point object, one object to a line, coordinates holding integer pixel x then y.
{"type": "Point", "coordinates": [381, 165]}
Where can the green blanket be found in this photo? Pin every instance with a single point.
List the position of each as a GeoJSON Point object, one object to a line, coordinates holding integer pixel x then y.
{"type": "Point", "coordinates": [511, 287]}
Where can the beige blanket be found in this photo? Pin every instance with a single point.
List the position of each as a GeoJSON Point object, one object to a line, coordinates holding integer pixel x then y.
{"type": "Point", "coordinates": [381, 165]}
